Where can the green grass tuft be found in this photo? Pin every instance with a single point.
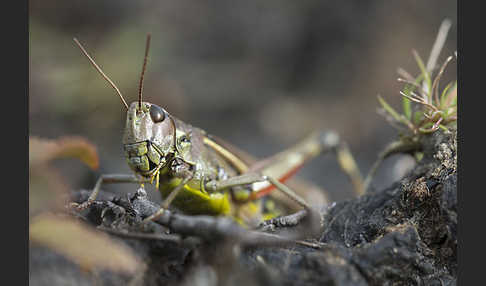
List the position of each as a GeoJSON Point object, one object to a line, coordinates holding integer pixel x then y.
{"type": "Point", "coordinates": [425, 107]}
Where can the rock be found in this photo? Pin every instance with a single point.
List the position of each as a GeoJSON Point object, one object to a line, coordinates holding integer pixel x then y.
{"type": "Point", "coordinates": [405, 234]}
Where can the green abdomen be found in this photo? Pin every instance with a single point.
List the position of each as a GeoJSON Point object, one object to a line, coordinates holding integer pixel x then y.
{"type": "Point", "coordinates": [196, 202]}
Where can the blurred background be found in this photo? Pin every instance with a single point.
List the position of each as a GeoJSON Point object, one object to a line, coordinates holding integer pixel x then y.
{"type": "Point", "coordinates": [260, 74]}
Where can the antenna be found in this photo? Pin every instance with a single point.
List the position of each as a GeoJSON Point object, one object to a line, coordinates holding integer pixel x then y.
{"type": "Point", "coordinates": [140, 88]}
{"type": "Point", "coordinates": [100, 71]}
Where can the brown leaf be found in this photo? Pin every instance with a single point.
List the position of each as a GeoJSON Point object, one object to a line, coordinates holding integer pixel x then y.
{"type": "Point", "coordinates": [83, 245]}
{"type": "Point", "coordinates": [43, 150]}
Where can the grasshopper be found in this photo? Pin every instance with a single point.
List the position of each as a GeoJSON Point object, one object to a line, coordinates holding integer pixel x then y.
{"type": "Point", "coordinates": [201, 174]}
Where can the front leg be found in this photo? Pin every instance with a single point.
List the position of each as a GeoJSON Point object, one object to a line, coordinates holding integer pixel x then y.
{"type": "Point", "coordinates": [180, 169]}
{"type": "Point", "coordinates": [107, 179]}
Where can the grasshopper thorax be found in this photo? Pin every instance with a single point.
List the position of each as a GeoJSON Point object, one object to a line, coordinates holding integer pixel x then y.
{"type": "Point", "coordinates": [148, 138]}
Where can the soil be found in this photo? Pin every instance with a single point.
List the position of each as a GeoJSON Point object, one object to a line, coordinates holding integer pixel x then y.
{"type": "Point", "coordinates": [405, 234]}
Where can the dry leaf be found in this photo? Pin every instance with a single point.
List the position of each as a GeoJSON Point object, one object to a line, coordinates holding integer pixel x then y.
{"type": "Point", "coordinates": [83, 245]}
{"type": "Point", "coordinates": [43, 150]}
{"type": "Point", "coordinates": [47, 188]}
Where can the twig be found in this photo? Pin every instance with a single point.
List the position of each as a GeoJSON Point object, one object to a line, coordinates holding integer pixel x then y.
{"type": "Point", "coordinates": [435, 85]}
{"type": "Point", "coordinates": [141, 235]}
{"type": "Point", "coordinates": [289, 220]}
{"type": "Point", "coordinates": [209, 228]}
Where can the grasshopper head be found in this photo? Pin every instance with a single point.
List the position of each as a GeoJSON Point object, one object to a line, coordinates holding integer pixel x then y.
{"type": "Point", "coordinates": [149, 137]}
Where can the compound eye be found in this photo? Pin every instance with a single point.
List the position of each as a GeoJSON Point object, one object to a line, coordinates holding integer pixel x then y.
{"type": "Point", "coordinates": [156, 113]}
